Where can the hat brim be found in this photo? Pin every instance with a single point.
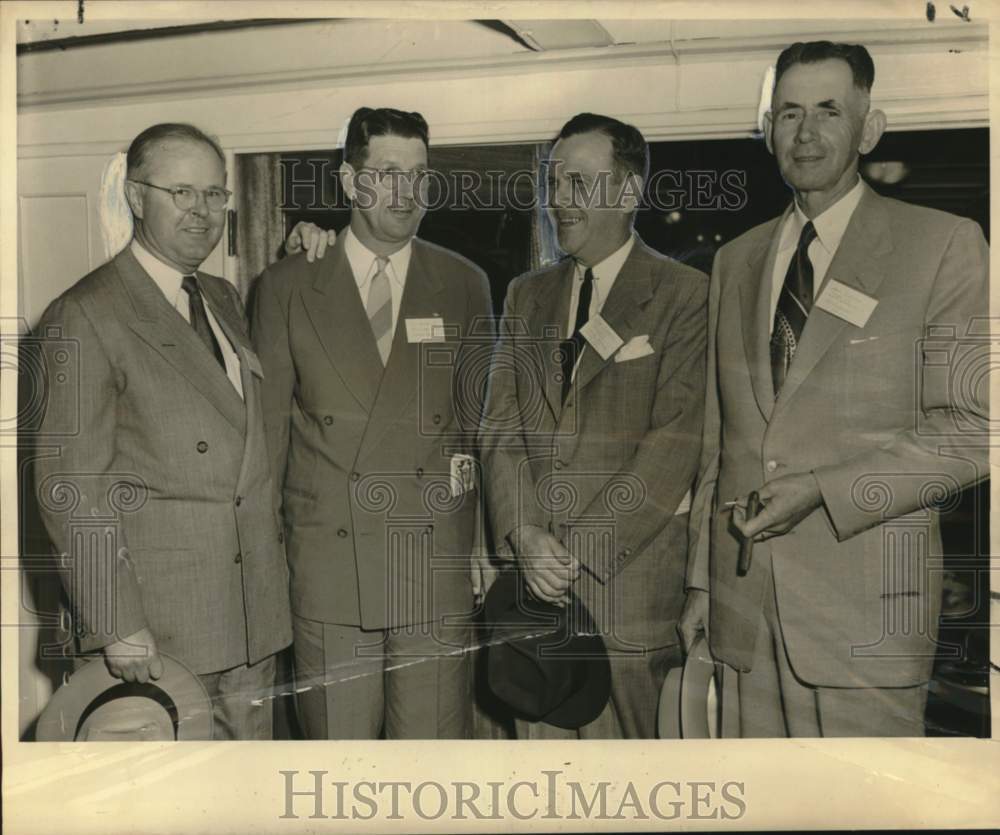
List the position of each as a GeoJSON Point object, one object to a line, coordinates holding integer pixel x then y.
{"type": "Point", "coordinates": [178, 690]}
{"type": "Point", "coordinates": [683, 708]}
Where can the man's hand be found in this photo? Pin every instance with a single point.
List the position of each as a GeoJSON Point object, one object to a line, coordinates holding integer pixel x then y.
{"type": "Point", "coordinates": [311, 238]}
{"type": "Point", "coordinates": [134, 658]}
{"type": "Point", "coordinates": [787, 501]}
{"type": "Point", "coordinates": [549, 569]}
{"type": "Point", "coordinates": [693, 619]}
{"type": "Point", "coordinates": [483, 574]}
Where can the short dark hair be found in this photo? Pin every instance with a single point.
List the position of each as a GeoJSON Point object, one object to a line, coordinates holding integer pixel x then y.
{"type": "Point", "coordinates": [628, 146]}
{"type": "Point", "coordinates": [855, 55]}
{"type": "Point", "coordinates": [139, 151]}
{"type": "Point", "coordinates": [380, 121]}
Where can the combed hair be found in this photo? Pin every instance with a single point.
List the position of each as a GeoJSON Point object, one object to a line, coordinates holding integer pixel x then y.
{"type": "Point", "coordinates": [139, 150]}
{"type": "Point", "coordinates": [856, 57]}
{"type": "Point", "coordinates": [629, 148]}
{"type": "Point", "coordinates": [380, 121]}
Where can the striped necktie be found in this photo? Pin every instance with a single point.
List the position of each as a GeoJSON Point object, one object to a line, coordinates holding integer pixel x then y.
{"type": "Point", "coordinates": [793, 308]}
{"type": "Point", "coordinates": [379, 308]}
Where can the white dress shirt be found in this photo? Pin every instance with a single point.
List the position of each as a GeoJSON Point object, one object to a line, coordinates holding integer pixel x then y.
{"type": "Point", "coordinates": [364, 266]}
{"type": "Point", "coordinates": [605, 274]}
{"type": "Point", "coordinates": [169, 281]}
{"type": "Point", "coordinates": [830, 227]}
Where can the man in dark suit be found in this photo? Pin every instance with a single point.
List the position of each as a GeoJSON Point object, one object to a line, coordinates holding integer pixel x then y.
{"type": "Point", "coordinates": [592, 429]}
{"type": "Point", "coordinates": [170, 449]}
{"type": "Point", "coordinates": [843, 339]}
{"type": "Point", "coordinates": [371, 418]}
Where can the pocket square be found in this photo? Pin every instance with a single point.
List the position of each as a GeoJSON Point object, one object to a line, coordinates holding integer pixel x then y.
{"type": "Point", "coordinates": [636, 347]}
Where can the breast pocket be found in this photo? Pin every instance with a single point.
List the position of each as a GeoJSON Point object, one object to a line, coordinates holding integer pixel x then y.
{"type": "Point", "coordinates": [881, 374]}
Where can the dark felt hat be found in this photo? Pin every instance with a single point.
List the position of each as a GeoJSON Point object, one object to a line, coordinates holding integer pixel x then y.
{"type": "Point", "coordinates": [94, 705]}
{"type": "Point", "coordinates": [546, 663]}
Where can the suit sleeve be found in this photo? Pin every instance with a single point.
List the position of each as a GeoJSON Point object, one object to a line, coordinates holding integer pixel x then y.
{"type": "Point", "coordinates": [270, 337]}
{"type": "Point", "coordinates": [665, 461]}
{"type": "Point", "coordinates": [76, 483]}
{"type": "Point", "coordinates": [949, 435]}
{"type": "Point", "coordinates": [703, 503]}
{"type": "Point", "coordinates": [504, 449]}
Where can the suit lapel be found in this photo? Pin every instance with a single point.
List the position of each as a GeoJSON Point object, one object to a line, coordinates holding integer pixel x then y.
{"type": "Point", "coordinates": [755, 318]}
{"type": "Point", "coordinates": [857, 263]}
{"type": "Point", "coordinates": [633, 287]}
{"type": "Point", "coordinates": [165, 331]}
{"type": "Point", "coordinates": [422, 299]}
{"type": "Point", "coordinates": [334, 307]}
{"type": "Point", "coordinates": [547, 322]}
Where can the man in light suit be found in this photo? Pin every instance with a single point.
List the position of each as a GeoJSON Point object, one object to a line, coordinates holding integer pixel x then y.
{"type": "Point", "coordinates": [170, 449]}
{"type": "Point", "coordinates": [843, 343]}
{"type": "Point", "coordinates": [592, 430]}
{"type": "Point", "coordinates": [372, 406]}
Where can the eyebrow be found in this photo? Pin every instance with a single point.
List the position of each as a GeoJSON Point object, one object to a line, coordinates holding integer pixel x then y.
{"type": "Point", "coordinates": [827, 103]}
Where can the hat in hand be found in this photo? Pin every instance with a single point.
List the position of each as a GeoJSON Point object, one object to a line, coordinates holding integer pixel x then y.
{"type": "Point", "coordinates": [546, 663]}
{"type": "Point", "coordinates": [688, 707]}
{"type": "Point", "coordinates": [93, 705]}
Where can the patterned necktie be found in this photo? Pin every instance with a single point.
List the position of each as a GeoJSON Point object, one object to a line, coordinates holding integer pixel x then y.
{"type": "Point", "coordinates": [199, 318]}
{"type": "Point", "coordinates": [794, 304]}
{"type": "Point", "coordinates": [573, 346]}
{"type": "Point", "coordinates": [379, 308]}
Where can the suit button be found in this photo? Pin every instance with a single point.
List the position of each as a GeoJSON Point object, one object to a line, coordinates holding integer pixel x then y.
{"type": "Point", "coordinates": [238, 559]}
{"type": "Point", "coordinates": [355, 476]}
{"type": "Point", "coordinates": [420, 472]}
{"type": "Point", "coordinates": [239, 500]}
{"type": "Point", "coordinates": [328, 420]}
{"type": "Point", "coordinates": [772, 465]}
{"type": "Point", "coordinates": [281, 537]}
{"type": "Point", "coordinates": [436, 419]}
{"type": "Point", "coordinates": [342, 533]}
{"type": "Point", "coordinates": [202, 447]}
{"type": "Point", "coordinates": [558, 464]}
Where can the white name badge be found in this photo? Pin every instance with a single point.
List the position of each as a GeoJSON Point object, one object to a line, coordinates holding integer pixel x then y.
{"type": "Point", "coordinates": [601, 336]}
{"type": "Point", "coordinates": [253, 363]}
{"type": "Point", "coordinates": [463, 474]}
{"type": "Point", "coordinates": [846, 303]}
{"type": "Point", "coordinates": [425, 330]}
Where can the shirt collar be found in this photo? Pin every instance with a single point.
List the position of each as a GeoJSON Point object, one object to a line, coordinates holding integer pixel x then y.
{"type": "Point", "coordinates": [362, 260]}
{"type": "Point", "coordinates": [610, 266]}
{"type": "Point", "coordinates": [165, 276]}
{"type": "Point", "coordinates": [830, 225]}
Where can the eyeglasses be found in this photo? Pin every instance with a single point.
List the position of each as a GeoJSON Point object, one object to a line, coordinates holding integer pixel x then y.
{"type": "Point", "coordinates": [186, 198]}
{"type": "Point", "coordinates": [392, 176]}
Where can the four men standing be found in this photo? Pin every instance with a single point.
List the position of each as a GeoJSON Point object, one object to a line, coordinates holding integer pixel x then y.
{"type": "Point", "coordinates": [820, 394]}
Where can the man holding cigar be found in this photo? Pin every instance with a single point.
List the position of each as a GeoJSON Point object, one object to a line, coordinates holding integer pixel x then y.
{"type": "Point", "coordinates": [837, 333]}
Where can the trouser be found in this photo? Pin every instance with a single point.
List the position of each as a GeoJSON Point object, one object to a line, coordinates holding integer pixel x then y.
{"type": "Point", "coordinates": [773, 702]}
{"type": "Point", "coordinates": [242, 700]}
{"type": "Point", "coordinates": [404, 683]}
{"type": "Point", "coordinates": [636, 681]}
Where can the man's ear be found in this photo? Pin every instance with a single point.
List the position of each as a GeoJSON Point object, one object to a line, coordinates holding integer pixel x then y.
{"type": "Point", "coordinates": [347, 180]}
{"type": "Point", "coordinates": [631, 194]}
{"type": "Point", "coordinates": [768, 127]}
{"type": "Point", "coordinates": [133, 194]}
{"type": "Point", "coordinates": [872, 130]}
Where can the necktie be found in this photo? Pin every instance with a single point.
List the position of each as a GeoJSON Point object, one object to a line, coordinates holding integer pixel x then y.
{"type": "Point", "coordinates": [199, 318]}
{"type": "Point", "coordinates": [794, 304]}
{"type": "Point", "coordinates": [379, 308]}
{"type": "Point", "coordinates": [574, 345]}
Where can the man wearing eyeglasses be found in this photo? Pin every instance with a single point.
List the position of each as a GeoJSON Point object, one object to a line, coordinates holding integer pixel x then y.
{"type": "Point", "coordinates": [170, 449]}
{"type": "Point", "coordinates": [371, 415]}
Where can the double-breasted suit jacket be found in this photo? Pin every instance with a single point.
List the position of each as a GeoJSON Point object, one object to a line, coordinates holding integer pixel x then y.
{"type": "Point", "coordinates": [376, 537]}
{"type": "Point", "coordinates": [152, 474]}
{"type": "Point", "coordinates": [889, 414]}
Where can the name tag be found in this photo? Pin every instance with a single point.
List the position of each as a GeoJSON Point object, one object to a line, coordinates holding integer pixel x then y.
{"type": "Point", "coordinates": [463, 474]}
{"type": "Point", "coordinates": [846, 303]}
{"type": "Point", "coordinates": [253, 363]}
{"type": "Point", "coordinates": [425, 330]}
{"type": "Point", "coordinates": [601, 336]}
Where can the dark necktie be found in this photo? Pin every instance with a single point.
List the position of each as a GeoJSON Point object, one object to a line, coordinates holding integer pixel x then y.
{"type": "Point", "coordinates": [199, 318]}
{"type": "Point", "coordinates": [794, 304]}
{"type": "Point", "coordinates": [573, 346]}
